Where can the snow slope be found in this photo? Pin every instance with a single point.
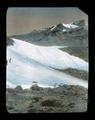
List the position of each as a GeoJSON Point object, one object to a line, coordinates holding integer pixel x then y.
{"type": "Point", "coordinates": [34, 63]}
{"type": "Point", "coordinates": [50, 56]}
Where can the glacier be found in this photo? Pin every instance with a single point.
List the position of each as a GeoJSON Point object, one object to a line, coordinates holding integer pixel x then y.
{"type": "Point", "coordinates": [30, 63]}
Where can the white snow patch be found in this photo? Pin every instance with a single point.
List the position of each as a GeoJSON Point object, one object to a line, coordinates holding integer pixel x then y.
{"type": "Point", "coordinates": [70, 25]}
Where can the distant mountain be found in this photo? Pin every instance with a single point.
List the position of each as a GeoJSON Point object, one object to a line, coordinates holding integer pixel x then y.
{"type": "Point", "coordinates": [73, 34]}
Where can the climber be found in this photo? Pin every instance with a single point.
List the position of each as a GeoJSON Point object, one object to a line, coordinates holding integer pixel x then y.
{"type": "Point", "coordinates": [10, 60]}
{"type": "Point", "coordinates": [6, 62]}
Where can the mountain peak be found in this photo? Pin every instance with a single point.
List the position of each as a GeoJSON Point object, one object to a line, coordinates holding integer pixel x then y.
{"type": "Point", "coordinates": [66, 27]}
{"type": "Point", "coordinates": [58, 28]}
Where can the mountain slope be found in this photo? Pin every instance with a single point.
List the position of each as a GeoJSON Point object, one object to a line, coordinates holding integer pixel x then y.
{"type": "Point", "coordinates": [34, 63]}
{"type": "Point", "coordinates": [73, 34]}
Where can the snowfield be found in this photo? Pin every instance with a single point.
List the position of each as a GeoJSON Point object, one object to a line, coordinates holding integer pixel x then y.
{"type": "Point", "coordinates": [70, 26]}
{"type": "Point", "coordinates": [36, 63]}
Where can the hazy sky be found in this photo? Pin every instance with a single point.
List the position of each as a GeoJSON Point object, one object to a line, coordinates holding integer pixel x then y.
{"type": "Point", "coordinates": [25, 19]}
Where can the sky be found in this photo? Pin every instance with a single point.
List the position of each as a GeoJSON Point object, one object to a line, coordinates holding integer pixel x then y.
{"type": "Point", "coordinates": [21, 20]}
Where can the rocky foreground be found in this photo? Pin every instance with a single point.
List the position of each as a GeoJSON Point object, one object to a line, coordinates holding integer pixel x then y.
{"type": "Point", "coordinates": [65, 98]}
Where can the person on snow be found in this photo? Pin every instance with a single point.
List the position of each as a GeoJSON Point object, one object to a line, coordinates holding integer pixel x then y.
{"type": "Point", "coordinates": [10, 60]}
